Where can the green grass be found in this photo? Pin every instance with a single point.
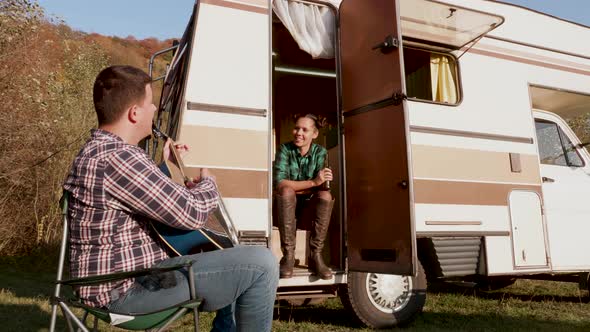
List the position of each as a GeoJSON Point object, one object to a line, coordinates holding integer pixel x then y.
{"type": "Point", "coordinates": [525, 306]}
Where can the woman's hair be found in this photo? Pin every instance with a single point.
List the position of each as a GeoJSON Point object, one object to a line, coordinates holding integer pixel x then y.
{"type": "Point", "coordinates": [318, 122]}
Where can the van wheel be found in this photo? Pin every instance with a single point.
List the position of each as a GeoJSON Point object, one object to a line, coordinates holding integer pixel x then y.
{"type": "Point", "coordinates": [384, 300]}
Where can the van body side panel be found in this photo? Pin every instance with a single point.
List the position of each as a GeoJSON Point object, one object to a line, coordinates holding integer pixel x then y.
{"type": "Point", "coordinates": [379, 222]}
{"type": "Point", "coordinates": [226, 121]}
{"type": "Point", "coordinates": [495, 76]}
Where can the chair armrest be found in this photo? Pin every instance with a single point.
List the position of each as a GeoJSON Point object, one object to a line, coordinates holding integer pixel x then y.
{"type": "Point", "coordinates": [98, 279]}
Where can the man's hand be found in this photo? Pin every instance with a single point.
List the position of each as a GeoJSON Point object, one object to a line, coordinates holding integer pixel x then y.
{"type": "Point", "coordinates": [181, 149]}
{"type": "Point", "coordinates": [205, 172]}
{"type": "Point", "coordinates": [193, 181]}
{"type": "Point", "coordinates": [323, 176]}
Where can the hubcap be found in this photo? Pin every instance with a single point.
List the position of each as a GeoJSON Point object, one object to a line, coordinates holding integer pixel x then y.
{"type": "Point", "coordinates": [389, 293]}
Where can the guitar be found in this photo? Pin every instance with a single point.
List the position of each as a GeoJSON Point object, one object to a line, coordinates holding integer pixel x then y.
{"type": "Point", "coordinates": [218, 232]}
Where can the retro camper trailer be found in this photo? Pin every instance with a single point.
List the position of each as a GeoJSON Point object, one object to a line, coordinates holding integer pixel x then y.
{"type": "Point", "coordinates": [447, 138]}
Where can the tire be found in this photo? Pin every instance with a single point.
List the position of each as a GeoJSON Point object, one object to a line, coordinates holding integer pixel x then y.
{"type": "Point", "coordinates": [382, 301]}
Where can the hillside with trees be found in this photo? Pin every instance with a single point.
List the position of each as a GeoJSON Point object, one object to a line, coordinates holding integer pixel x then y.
{"type": "Point", "coordinates": [46, 75]}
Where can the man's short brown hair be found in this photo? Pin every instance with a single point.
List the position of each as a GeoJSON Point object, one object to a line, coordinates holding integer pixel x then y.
{"type": "Point", "coordinates": [117, 88]}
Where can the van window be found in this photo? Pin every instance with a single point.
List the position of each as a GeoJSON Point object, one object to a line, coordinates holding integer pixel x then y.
{"type": "Point", "coordinates": [555, 148]}
{"type": "Point", "coordinates": [431, 76]}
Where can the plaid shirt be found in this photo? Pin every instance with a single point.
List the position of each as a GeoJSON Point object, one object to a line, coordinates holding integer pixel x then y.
{"type": "Point", "coordinates": [291, 165]}
{"type": "Point", "coordinates": [116, 190]}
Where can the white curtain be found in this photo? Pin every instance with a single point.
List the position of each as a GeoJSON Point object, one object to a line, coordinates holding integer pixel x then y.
{"type": "Point", "coordinates": [311, 26]}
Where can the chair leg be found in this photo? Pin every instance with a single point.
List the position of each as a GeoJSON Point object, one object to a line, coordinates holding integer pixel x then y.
{"type": "Point", "coordinates": [193, 293]}
{"type": "Point", "coordinates": [67, 319]}
{"type": "Point", "coordinates": [177, 315]}
{"type": "Point", "coordinates": [196, 316]}
{"type": "Point", "coordinates": [53, 318]}
{"type": "Point", "coordinates": [84, 317]}
{"type": "Point", "coordinates": [95, 324]}
{"type": "Point", "coordinates": [70, 315]}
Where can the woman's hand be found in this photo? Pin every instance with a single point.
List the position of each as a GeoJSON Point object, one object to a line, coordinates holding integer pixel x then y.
{"type": "Point", "coordinates": [323, 176]}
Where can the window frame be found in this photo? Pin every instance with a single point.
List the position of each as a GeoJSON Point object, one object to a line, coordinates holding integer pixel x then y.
{"type": "Point", "coordinates": [459, 82]}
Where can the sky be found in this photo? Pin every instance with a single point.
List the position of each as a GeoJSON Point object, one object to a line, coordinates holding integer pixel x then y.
{"type": "Point", "coordinates": [164, 19]}
{"type": "Point", "coordinates": [161, 19]}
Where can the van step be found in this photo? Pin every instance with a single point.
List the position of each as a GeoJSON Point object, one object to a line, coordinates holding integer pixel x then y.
{"type": "Point", "coordinates": [303, 277]}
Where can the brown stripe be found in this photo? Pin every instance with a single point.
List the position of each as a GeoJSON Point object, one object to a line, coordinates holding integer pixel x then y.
{"type": "Point", "coordinates": [462, 233]}
{"type": "Point", "coordinates": [529, 62]}
{"type": "Point", "coordinates": [466, 193]}
{"type": "Point", "coordinates": [225, 109]}
{"type": "Point", "coordinates": [237, 183]}
{"type": "Point", "coordinates": [225, 147]}
{"type": "Point", "coordinates": [249, 6]}
{"type": "Point", "coordinates": [472, 134]}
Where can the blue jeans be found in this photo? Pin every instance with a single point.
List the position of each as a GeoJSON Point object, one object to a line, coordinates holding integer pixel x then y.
{"type": "Point", "coordinates": [244, 278]}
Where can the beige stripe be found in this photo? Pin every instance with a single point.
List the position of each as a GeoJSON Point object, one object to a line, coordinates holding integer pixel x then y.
{"type": "Point", "coordinates": [225, 147]}
{"type": "Point", "coordinates": [452, 223]}
{"type": "Point", "coordinates": [512, 41]}
{"type": "Point", "coordinates": [436, 162]}
{"type": "Point", "coordinates": [255, 6]}
{"type": "Point", "coordinates": [528, 55]}
{"type": "Point", "coordinates": [237, 183]}
{"type": "Point", "coordinates": [529, 62]}
{"type": "Point", "coordinates": [466, 193]}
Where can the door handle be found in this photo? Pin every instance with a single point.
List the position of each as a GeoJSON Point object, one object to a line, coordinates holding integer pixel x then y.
{"type": "Point", "coordinates": [548, 180]}
{"type": "Point", "coordinates": [389, 44]}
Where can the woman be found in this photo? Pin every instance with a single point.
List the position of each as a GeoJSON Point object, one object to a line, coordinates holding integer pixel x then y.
{"type": "Point", "coordinates": [299, 175]}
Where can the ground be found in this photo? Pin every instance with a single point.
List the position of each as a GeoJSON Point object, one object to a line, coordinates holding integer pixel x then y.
{"type": "Point", "coordinates": [25, 285]}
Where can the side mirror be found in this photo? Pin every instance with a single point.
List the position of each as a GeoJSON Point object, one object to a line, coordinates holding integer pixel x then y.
{"type": "Point", "coordinates": [581, 145]}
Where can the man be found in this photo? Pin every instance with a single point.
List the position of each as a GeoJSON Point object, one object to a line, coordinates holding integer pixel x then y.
{"type": "Point", "coordinates": [298, 179]}
{"type": "Point", "coordinates": [117, 191]}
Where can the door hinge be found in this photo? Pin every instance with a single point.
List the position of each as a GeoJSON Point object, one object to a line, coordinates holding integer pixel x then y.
{"type": "Point", "coordinates": [398, 98]}
{"type": "Point", "coordinates": [389, 44]}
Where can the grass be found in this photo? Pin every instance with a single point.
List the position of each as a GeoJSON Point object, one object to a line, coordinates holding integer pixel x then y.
{"type": "Point", "coordinates": [525, 306]}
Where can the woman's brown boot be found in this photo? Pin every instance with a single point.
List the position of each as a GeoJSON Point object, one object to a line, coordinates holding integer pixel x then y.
{"type": "Point", "coordinates": [288, 231]}
{"type": "Point", "coordinates": [318, 236]}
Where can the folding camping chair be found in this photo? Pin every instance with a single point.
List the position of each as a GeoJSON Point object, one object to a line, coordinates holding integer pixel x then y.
{"type": "Point", "coordinates": [153, 321]}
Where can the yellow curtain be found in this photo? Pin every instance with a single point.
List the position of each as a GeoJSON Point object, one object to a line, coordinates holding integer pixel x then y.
{"type": "Point", "coordinates": [442, 71]}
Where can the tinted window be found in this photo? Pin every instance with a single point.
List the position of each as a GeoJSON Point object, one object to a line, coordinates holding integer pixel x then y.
{"type": "Point", "coordinates": [555, 148]}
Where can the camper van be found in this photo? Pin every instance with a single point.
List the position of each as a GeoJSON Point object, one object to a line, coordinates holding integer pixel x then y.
{"type": "Point", "coordinates": [447, 135]}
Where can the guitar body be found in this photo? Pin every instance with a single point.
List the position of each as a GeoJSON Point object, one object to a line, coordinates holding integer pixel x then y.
{"type": "Point", "coordinates": [185, 242]}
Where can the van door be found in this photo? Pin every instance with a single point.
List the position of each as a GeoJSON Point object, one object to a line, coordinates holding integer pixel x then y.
{"type": "Point", "coordinates": [565, 172]}
{"type": "Point", "coordinates": [223, 104]}
{"type": "Point", "coordinates": [379, 216]}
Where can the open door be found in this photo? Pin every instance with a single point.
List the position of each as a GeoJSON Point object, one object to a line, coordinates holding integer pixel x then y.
{"type": "Point", "coordinates": [379, 213]}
